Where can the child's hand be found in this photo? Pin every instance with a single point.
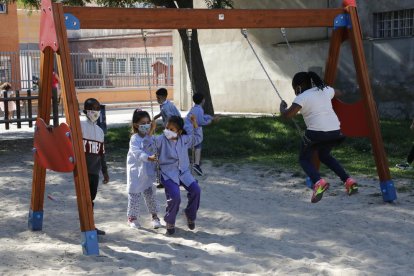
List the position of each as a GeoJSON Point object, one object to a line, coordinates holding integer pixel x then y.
{"type": "Point", "coordinates": [152, 158]}
{"type": "Point", "coordinates": [194, 121]}
{"type": "Point", "coordinates": [106, 178]}
{"type": "Point", "coordinates": [216, 118]}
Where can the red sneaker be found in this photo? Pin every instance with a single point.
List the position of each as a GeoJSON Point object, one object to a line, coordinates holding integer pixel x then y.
{"type": "Point", "coordinates": [320, 187]}
{"type": "Point", "coordinates": [351, 186]}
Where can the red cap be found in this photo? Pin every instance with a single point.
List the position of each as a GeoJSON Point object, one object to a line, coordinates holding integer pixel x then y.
{"type": "Point", "coordinates": [348, 3]}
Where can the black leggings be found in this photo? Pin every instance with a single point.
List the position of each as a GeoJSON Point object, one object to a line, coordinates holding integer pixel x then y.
{"type": "Point", "coordinates": [93, 185]}
{"type": "Point", "coordinates": [410, 157]}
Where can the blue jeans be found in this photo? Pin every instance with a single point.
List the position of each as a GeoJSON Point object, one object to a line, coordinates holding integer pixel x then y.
{"type": "Point", "coordinates": [321, 142]}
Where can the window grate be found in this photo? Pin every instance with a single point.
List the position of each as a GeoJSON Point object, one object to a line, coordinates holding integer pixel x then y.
{"type": "Point", "coordinates": [394, 24]}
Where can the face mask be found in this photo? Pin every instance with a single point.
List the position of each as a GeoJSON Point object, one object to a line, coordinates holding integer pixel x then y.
{"type": "Point", "coordinates": [170, 134]}
{"type": "Point", "coordinates": [144, 129]}
{"type": "Point", "coordinates": [93, 115]}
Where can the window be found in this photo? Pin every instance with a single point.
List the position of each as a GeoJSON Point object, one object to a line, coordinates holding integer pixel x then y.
{"type": "Point", "coordinates": [93, 66]}
{"type": "Point", "coordinates": [139, 65]}
{"type": "Point", "coordinates": [144, 65]}
{"type": "Point", "coordinates": [116, 66]}
{"type": "Point", "coordinates": [3, 7]}
{"type": "Point", "coordinates": [394, 24]}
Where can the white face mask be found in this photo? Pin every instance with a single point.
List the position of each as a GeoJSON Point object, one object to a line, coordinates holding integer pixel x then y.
{"type": "Point", "coordinates": [144, 129]}
{"type": "Point", "coordinates": [170, 134]}
{"type": "Point", "coordinates": [93, 115]}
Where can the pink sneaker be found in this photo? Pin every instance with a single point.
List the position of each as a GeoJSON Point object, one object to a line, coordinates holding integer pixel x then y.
{"type": "Point", "coordinates": [320, 187]}
{"type": "Point", "coordinates": [351, 186]}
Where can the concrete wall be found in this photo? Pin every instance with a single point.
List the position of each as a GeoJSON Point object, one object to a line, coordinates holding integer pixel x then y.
{"type": "Point", "coordinates": [238, 84]}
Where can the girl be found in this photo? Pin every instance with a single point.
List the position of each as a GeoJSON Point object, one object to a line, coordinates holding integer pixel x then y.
{"type": "Point", "coordinates": [313, 100]}
{"type": "Point", "coordinates": [140, 172]}
{"type": "Point", "coordinates": [11, 105]}
{"type": "Point", "coordinates": [173, 147]}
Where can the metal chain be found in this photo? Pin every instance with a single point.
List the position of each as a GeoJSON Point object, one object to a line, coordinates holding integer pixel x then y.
{"type": "Point", "coordinates": [158, 170]}
{"type": "Point", "coordinates": [290, 50]}
{"type": "Point", "coordinates": [190, 72]}
{"type": "Point", "coordinates": [245, 34]}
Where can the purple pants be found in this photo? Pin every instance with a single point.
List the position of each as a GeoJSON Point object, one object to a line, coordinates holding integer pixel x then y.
{"type": "Point", "coordinates": [172, 193]}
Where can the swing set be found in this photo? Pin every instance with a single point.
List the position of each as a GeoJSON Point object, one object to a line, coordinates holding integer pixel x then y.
{"type": "Point", "coordinates": [359, 119]}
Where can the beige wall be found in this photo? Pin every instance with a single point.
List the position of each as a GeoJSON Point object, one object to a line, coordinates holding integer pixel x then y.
{"type": "Point", "coordinates": [9, 38]}
{"type": "Point", "coordinates": [29, 26]}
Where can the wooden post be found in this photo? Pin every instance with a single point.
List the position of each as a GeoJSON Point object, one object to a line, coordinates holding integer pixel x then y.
{"type": "Point", "coordinates": [39, 173]}
{"type": "Point", "coordinates": [355, 36]}
{"type": "Point", "coordinates": [71, 106]}
{"type": "Point", "coordinates": [331, 68]}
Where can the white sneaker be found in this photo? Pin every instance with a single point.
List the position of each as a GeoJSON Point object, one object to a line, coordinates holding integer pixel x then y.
{"type": "Point", "coordinates": [156, 223]}
{"type": "Point", "coordinates": [134, 224]}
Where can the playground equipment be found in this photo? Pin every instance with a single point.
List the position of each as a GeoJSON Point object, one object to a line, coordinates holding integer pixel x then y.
{"type": "Point", "coordinates": [56, 19]}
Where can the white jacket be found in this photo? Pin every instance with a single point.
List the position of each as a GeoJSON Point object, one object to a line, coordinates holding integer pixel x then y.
{"type": "Point", "coordinates": [140, 172]}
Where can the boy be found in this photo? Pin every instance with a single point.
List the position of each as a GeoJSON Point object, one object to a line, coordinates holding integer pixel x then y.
{"type": "Point", "coordinates": [93, 145]}
{"type": "Point", "coordinates": [202, 120]}
{"type": "Point", "coordinates": [167, 108]}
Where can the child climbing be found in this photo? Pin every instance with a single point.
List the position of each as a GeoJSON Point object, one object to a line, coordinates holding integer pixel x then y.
{"type": "Point", "coordinates": [313, 100]}
{"type": "Point", "coordinates": [140, 172]}
{"type": "Point", "coordinates": [202, 120]}
{"type": "Point", "coordinates": [172, 147]}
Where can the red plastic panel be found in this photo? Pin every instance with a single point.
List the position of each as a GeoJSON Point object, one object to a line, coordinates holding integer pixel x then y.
{"type": "Point", "coordinates": [349, 3]}
{"type": "Point", "coordinates": [352, 117]}
{"type": "Point", "coordinates": [47, 34]}
{"type": "Point", "coordinates": [53, 147]}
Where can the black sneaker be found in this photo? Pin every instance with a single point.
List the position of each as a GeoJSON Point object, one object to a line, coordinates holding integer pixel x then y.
{"type": "Point", "coordinates": [403, 166]}
{"type": "Point", "coordinates": [100, 232]}
{"type": "Point", "coordinates": [160, 186]}
{"type": "Point", "coordinates": [198, 170]}
{"type": "Point", "coordinates": [170, 229]}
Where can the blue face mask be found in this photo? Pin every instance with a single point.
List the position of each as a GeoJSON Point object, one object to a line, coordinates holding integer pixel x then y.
{"type": "Point", "coordinates": [144, 129]}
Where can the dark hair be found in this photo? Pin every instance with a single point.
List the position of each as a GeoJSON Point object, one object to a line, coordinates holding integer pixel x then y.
{"type": "Point", "coordinates": [308, 80]}
{"type": "Point", "coordinates": [178, 122]}
{"type": "Point", "coordinates": [89, 103]}
{"type": "Point", "coordinates": [162, 92]}
{"type": "Point", "coordinates": [198, 98]}
{"type": "Point", "coordinates": [136, 117]}
{"type": "Point", "coordinates": [6, 86]}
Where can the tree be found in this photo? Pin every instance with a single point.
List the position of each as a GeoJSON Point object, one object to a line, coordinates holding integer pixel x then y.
{"type": "Point", "coordinates": [200, 82]}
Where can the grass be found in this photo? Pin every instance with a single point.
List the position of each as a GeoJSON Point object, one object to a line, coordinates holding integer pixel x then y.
{"type": "Point", "coordinates": [275, 142]}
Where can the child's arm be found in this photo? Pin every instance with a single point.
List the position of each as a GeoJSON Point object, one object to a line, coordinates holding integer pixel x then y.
{"type": "Point", "coordinates": [196, 136]}
{"type": "Point", "coordinates": [156, 116]}
{"type": "Point", "coordinates": [289, 112]}
{"type": "Point", "coordinates": [139, 152]}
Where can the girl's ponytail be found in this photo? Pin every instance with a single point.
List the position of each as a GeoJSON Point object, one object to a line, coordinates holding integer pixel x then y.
{"type": "Point", "coordinates": [316, 80]}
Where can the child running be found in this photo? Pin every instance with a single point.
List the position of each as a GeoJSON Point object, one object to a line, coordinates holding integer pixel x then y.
{"type": "Point", "coordinates": [172, 147]}
{"type": "Point", "coordinates": [140, 172]}
{"type": "Point", "coordinates": [313, 100]}
{"type": "Point", "coordinates": [202, 120]}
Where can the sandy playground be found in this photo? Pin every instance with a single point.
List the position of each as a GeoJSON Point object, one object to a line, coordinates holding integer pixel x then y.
{"type": "Point", "coordinates": [253, 220]}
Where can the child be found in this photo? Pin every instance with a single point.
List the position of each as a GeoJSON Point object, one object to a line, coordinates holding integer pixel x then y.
{"type": "Point", "coordinates": [313, 100]}
{"type": "Point", "coordinates": [410, 157]}
{"type": "Point", "coordinates": [167, 108]}
{"type": "Point", "coordinates": [140, 172]}
{"type": "Point", "coordinates": [93, 144]}
{"type": "Point", "coordinates": [202, 120]}
{"type": "Point", "coordinates": [174, 163]}
{"type": "Point", "coordinates": [11, 105]}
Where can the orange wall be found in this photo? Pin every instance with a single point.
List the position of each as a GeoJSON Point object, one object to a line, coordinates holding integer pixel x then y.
{"type": "Point", "coordinates": [9, 37]}
{"type": "Point", "coordinates": [29, 26]}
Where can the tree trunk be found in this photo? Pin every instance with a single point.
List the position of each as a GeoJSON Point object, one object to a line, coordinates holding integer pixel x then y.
{"type": "Point", "coordinates": [199, 78]}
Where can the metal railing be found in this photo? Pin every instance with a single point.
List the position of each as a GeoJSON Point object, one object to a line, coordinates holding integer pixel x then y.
{"type": "Point", "coordinates": [91, 70]}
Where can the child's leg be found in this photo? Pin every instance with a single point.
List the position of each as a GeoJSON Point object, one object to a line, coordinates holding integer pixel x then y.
{"type": "Point", "coordinates": [193, 195]}
{"type": "Point", "coordinates": [93, 186]}
{"type": "Point", "coordinates": [333, 164]}
{"type": "Point", "coordinates": [133, 206]}
{"type": "Point", "coordinates": [150, 201]}
{"type": "Point", "coordinates": [172, 193]}
{"type": "Point", "coordinates": [305, 160]}
{"type": "Point", "coordinates": [410, 157]}
{"type": "Point", "coordinates": [197, 154]}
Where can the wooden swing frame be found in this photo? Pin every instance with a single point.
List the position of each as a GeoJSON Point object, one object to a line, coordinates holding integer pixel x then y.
{"type": "Point", "coordinates": [56, 18]}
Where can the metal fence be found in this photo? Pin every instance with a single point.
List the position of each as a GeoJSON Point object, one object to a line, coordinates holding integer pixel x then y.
{"type": "Point", "coordinates": [92, 70]}
{"type": "Point", "coordinates": [19, 103]}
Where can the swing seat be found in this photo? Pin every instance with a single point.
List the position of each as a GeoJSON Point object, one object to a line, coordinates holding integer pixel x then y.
{"type": "Point", "coordinates": [53, 147]}
{"type": "Point", "coordinates": [352, 117]}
